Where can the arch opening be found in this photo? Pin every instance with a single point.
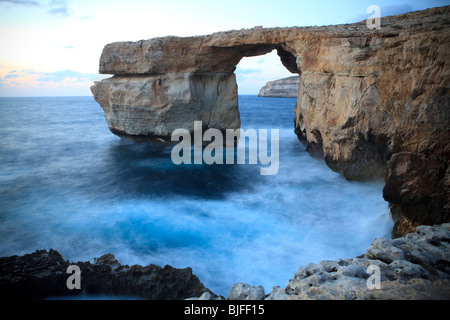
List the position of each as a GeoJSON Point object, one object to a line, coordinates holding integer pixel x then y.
{"type": "Point", "coordinates": [254, 71]}
{"type": "Point", "coordinates": [153, 92]}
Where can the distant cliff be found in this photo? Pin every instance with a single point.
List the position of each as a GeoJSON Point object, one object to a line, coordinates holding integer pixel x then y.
{"type": "Point", "coordinates": [285, 88]}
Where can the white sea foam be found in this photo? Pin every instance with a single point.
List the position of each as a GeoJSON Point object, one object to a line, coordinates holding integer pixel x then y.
{"type": "Point", "coordinates": [78, 189]}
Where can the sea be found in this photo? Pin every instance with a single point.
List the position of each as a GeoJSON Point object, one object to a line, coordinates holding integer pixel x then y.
{"type": "Point", "coordinates": [68, 183]}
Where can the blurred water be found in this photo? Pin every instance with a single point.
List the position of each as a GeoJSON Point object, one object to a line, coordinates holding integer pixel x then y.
{"type": "Point", "coordinates": [68, 183]}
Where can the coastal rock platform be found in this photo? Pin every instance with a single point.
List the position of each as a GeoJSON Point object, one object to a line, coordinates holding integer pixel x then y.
{"type": "Point", "coordinates": [43, 274]}
{"type": "Point", "coordinates": [413, 267]}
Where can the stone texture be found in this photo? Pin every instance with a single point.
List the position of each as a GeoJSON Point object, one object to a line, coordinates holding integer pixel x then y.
{"type": "Point", "coordinates": [416, 266]}
{"type": "Point", "coordinates": [141, 105]}
{"type": "Point", "coordinates": [282, 88]}
{"type": "Point", "coordinates": [244, 291]}
{"type": "Point", "coordinates": [417, 183]}
{"type": "Point", "coordinates": [364, 96]}
{"type": "Point", "coordinates": [33, 276]}
{"type": "Point", "coordinates": [383, 249]}
{"type": "Point", "coordinates": [43, 274]}
{"type": "Point", "coordinates": [278, 293]}
{"type": "Point", "coordinates": [204, 296]}
{"type": "Point", "coordinates": [413, 267]}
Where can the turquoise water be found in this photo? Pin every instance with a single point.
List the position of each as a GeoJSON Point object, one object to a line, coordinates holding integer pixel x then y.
{"type": "Point", "coordinates": [68, 183]}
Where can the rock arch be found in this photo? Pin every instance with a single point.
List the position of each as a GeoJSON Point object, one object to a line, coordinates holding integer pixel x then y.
{"type": "Point", "coordinates": [367, 97]}
{"type": "Point", "coordinates": [163, 84]}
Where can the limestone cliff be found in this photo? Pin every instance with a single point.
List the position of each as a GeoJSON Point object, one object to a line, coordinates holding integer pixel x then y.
{"type": "Point", "coordinates": [286, 87]}
{"type": "Point", "coordinates": [371, 102]}
{"type": "Point", "coordinates": [155, 105]}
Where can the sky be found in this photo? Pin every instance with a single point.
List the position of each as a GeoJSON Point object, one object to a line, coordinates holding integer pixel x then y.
{"type": "Point", "coordinates": [52, 47]}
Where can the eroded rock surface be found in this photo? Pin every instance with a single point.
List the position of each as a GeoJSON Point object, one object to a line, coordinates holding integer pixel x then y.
{"type": "Point", "coordinates": [416, 266]}
{"type": "Point", "coordinates": [244, 291]}
{"type": "Point", "coordinates": [413, 267]}
{"type": "Point", "coordinates": [156, 105]}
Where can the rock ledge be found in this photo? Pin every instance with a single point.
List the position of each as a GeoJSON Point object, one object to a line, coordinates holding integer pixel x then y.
{"type": "Point", "coordinates": [44, 274]}
{"type": "Point", "coordinates": [416, 266]}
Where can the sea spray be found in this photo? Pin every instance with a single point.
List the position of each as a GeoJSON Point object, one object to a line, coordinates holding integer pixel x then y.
{"type": "Point", "coordinates": [67, 183]}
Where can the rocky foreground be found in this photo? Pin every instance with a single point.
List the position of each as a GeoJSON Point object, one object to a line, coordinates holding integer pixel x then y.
{"type": "Point", "coordinates": [44, 274]}
{"type": "Point", "coordinates": [416, 266]}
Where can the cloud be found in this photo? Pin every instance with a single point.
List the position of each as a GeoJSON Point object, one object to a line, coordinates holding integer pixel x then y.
{"type": "Point", "coordinates": [60, 8]}
{"type": "Point", "coordinates": [55, 77]}
{"type": "Point", "coordinates": [29, 82]}
{"type": "Point", "coordinates": [59, 76]}
{"type": "Point", "coordinates": [240, 70]}
{"type": "Point", "coordinates": [10, 76]}
{"type": "Point", "coordinates": [57, 3]}
{"type": "Point", "coordinates": [27, 3]}
{"type": "Point", "coordinates": [55, 8]}
{"type": "Point", "coordinates": [59, 12]}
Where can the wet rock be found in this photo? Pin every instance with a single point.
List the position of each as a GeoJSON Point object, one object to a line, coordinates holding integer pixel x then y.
{"type": "Point", "coordinates": [33, 276]}
{"type": "Point", "coordinates": [411, 267]}
{"type": "Point", "coordinates": [44, 273]}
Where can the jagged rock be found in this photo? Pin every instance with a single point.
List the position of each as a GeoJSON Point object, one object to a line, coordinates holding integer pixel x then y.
{"type": "Point", "coordinates": [406, 270]}
{"type": "Point", "coordinates": [278, 293]}
{"type": "Point", "coordinates": [204, 296]}
{"type": "Point", "coordinates": [413, 267]}
{"type": "Point", "coordinates": [383, 249]}
{"type": "Point", "coordinates": [416, 266]}
{"type": "Point", "coordinates": [417, 183]}
{"type": "Point", "coordinates": [33, 276]}
{"type": "Point", "coordinates": [282, 88]}
{"type": "Point", "coordinates": [43, 274]}
{"type": "Point", "coordinates": [364, 96]}
{"type": "Point", "coordinates": [243, 291]}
